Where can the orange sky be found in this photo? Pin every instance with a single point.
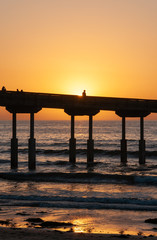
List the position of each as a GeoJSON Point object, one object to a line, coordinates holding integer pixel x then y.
{"type": "Point", "coordinates": [107, 47]}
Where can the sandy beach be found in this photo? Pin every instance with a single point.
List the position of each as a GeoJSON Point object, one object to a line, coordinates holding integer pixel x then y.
{"type": "Point", "coordinates": [40, 234]}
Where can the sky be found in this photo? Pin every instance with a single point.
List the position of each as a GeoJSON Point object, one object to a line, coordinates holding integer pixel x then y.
{"type": "Point", "coordinates": [107, 47]}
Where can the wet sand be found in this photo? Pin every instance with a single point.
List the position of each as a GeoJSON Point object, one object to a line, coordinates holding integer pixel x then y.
{"type": "Point", "coordinates": [40, 234]}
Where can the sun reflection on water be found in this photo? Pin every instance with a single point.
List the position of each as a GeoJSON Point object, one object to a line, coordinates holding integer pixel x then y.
{"type": "Point", "coordinates": [82, 220]}
{"type": "Point", "coordinates": [82, 225]}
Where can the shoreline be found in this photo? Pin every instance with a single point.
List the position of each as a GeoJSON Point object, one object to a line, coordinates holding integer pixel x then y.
{"type": "Point", "coordinates": [112, 222]}
{"type": "Point", "coordinates": [40, 234]}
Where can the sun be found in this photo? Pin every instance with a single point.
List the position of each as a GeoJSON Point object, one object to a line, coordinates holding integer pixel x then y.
{"type": "Point", "coordinates": [78, 91]}
{"type": "Point", "coordinates": [77, 85]}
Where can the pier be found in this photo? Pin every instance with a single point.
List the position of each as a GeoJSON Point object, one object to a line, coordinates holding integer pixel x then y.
{"type": "Point", "coordinates": [31, 103]}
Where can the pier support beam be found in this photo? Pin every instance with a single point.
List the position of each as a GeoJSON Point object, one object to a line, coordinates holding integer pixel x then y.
{"type": "Point", "coordinates": [133, 113]}
{"type": "Point", "coordinates": [90, 142]}
{"type": "Point", "coordinates": [123, 144]}
{"type": "Point", "coordinates": [31, 145]}
{"type": "Point", "coordinates": [72, 142]}
{"type": "Point", "coordinates": [141, 142]}
{"type": "Point", "coordinates": [14, 144]}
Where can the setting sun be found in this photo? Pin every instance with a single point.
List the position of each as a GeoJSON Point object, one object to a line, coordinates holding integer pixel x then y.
{"type": "Point", "coordinates": [77, 84]}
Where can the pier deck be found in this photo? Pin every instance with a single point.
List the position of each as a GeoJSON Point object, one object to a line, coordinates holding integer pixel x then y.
{"type": "Point", "coordinates": [31, 102]}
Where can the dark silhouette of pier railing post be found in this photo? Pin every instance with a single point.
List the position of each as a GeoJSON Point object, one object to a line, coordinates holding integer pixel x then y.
{"type": "Point", "coordinates": [72, 142]}
{"type": "Point", "coordinates": [123, 143]}
{"type": "Point", "coordinates": [90, 142]}
{"type": "Point", "coordinates": [31, 145]}
{"type": "Point", "coordinates": [141, 142]}
{"type": "Point", "coordinates": [14, 144]}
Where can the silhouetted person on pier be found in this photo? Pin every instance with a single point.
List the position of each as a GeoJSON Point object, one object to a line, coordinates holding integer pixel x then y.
{"type": "Point", "coordinates": [84, 93]}
{"type": "Point", "coordinates": [3, 89]}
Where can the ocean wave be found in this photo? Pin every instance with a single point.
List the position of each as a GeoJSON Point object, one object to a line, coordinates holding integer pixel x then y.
{"type": "Point", "coordinates": [80, 202]}
{"type": "Point", "coordinates": [79, 177]}
{"type": "Point", "coordinates": [4, 161]}
{"type": "Point", "coordinates": [98, 152]}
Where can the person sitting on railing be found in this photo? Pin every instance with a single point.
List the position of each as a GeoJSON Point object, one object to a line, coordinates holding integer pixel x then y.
{"type": "Point", "coordinates": [3, 89]}
{"type": "Point", "coordinates": [84, 93]}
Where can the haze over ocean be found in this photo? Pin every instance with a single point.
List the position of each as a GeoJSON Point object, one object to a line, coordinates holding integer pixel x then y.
{"type": "Point", "coordinates": [106, 198]}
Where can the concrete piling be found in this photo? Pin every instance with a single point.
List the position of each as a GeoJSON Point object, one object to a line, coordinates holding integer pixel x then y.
{"type": "Point", "coordinates": [14, 141]}
{"type": "Point", "coordinates": [31, 152]}
{"type": "Point", "coordinates": [72, 142]}
{"type": "Point", "coordinates": [141, 142]}
{"type": "Point", "coordinates": [31, 145]}
{"type": "Point", "coordinates": [123, 144]}
{"type": "Point", "coordinates": [14, 144]}
{"type": "Point", "coordinates": [90, 142]}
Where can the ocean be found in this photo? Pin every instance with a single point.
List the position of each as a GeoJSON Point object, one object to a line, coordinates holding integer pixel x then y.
{"type": "Point", "coordinates": [107, 197]}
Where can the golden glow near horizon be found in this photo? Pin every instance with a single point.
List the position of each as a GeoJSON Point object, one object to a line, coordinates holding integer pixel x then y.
{"type": "Point", "coordinates": [106, 47]}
